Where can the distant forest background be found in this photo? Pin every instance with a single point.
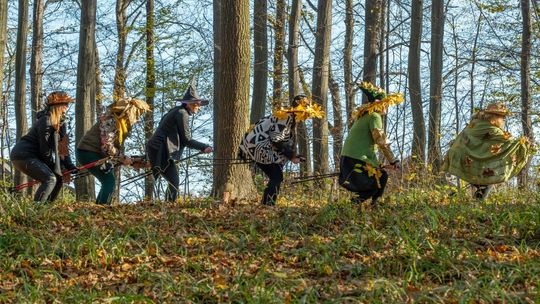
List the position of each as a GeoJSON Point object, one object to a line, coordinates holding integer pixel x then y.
{"type": "Point", "coordinates": [447, 57]}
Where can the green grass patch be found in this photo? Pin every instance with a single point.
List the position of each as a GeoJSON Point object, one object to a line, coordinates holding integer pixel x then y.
{"type": "Point", "coordinates": [417, 245]}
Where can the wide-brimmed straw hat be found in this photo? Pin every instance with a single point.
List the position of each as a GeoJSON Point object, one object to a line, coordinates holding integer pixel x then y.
{"type": "Point", "coordinates": [59, 98]}
{"type": "Point", "coordinates": [497, 108]}
{"type": "Point", "coordinates": [130, 108]}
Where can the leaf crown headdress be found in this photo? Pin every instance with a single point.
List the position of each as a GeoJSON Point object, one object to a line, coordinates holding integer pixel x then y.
{"type": "Point", "coordinates": [378, 100]}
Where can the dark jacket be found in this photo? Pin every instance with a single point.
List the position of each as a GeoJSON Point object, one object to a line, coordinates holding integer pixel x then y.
{"type": "Point", "coordinates": [171, 137]}
{"type": "Point", "coordinates": [41, 142]}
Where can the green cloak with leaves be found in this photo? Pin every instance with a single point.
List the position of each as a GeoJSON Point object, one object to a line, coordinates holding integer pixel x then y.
{"type": "Point", "coordinates": [484, 154]}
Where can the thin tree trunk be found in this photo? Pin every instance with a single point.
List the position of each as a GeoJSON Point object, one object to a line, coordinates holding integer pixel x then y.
{"type": "Point", "coordinates": [294, 82]}
{"type": "Point", "coordinates": [373, 12]}
{"type": "Point", "coordinates": [279, 46]}
{"type": "Point", "coordinates": [382, 41]}
{"type": "Point", "coordinates": [347, 61]}
{"type": "Point", "coordinates": [337, 128]}
{"type": "Point", "coordinates": [230, 181]}
{"type": "Point", "coordinates": [86, 88]}
{"type": "Point", "coordinates": [3, 100]}
{"type": "Point", "coordinates": [150, 91]}
{"type": "Point", "coordinates": [415, 86]}
{"type": "Point", "coordinates": [260, 57]}
{"type": "Point", "coordinates": [20, 79]}
{"type": "Point", "coordinates": [437, 35]}
{"type": "Point", "coordinates": [526, 84]}
{"type": "Point", "coordinates": [6, 135]}
{"type": "Point", "coordinates": [119, 88]}
{"type": "Point", "coordinates": [97, 107]}
{"type": "Point", "coordinates": [320, 85]}
{"type": "Point", "coordinates": [217, 4]}
{"type": "Point", "coordinates": [36, 62]}
{"type": "Point", "coordinates": [473, 61]}
{"type": "Point", "coordinates": [302, 130]}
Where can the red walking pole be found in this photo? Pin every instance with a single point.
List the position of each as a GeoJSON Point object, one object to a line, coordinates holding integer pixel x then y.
{"type": "Point", "coordinates": [83, 167]}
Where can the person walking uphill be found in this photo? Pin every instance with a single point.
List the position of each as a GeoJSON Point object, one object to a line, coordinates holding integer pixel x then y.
{"type": "Point", "coordinates": [106, 139]}
{"type": "Point", "coordinates": [360, 170]}
{"type": "Point", "coordinates": [37, 154]}
{"type": "Point", "coordinates": [171, 137]}
{"type": "Point", "coordinates": [271, 143]}
{"type": "Point", "coordinates": [484, 154]}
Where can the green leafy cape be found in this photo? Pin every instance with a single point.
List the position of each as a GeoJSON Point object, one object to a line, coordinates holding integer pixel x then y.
{"type": "Point", "coordinates": [483, 154]}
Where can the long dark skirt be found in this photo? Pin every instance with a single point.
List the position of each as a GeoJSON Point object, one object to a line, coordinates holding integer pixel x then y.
{"type": "Point", "coordinates": [361, 183]}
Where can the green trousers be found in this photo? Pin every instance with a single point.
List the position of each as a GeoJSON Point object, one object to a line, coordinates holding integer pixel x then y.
{"type": "Point", "coordinates": [106, 179]}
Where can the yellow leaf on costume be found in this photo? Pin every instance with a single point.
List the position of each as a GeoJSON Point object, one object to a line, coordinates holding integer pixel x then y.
{"type": "Point", "coordinates": [495, 148]}
{"type": "Point", "coordinates": [507, 135]}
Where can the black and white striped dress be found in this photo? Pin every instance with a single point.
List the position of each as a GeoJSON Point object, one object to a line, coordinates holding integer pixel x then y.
{"type": "Point", "coordinates": [263, 143]}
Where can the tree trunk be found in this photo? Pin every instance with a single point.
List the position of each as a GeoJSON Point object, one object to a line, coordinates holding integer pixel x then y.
{"type": "Point", "coordinates": [371, 41]}
{"type": "Point", "coordinates": [97, 107]}
{"type": "Point", "coordinates": [437, 35]}
{"type": "Point", "coordinates": [279, 46]}
{"type": "Point", "coordinates": [382, 41]}
{"type": "Point", "coordinates": [36, 62]}
{"type": "Point", "coordinates": [119, 88]}
{"type": "Point", "coordinates": [20, 79]}
{"type": "Point", "coordinates": [526, 84]}
{"type": "Point", "coordinates": [294, 82]}
{"type": "Point", "coordinates": [86, 88]}
{"type": "Point", "coordinates": [3, 101]}
{"type": "Point", "coordinates": [260, 64]}
{"type": "Point", "coordinates": [230, 180]}
{"type": "Point", "coordinates": [415, 86]}
{"type": "Point", "coordinates": [150, 91]}
{"type": "Point", "coordinates": [320, 85]}
{"type": "Point", "coordinates": [347, 61]}
{"type": "Point", "coordinates": [337, 128]}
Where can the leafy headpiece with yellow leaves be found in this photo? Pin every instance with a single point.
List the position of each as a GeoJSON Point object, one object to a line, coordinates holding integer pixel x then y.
{"type": "Point", "coordinates": [303, 108]}
{"type": "Point", "coordinates": [378, 100]}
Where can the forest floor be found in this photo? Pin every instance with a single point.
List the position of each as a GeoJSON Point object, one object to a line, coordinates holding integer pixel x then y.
{"type": "Point", "coordinates": [416, 246]}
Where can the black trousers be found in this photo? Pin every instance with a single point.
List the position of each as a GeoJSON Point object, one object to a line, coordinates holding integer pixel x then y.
{"type": "Point", "coordinates": [361, 183]}
{"type": "Point", "coordinates": [170, 174]}
{"type": "Point", "coordinates": [50, 182]}
{"type": "Point", "coordinates": [482, 191]}
{"type": "Point", "coordinates": [275, 176]}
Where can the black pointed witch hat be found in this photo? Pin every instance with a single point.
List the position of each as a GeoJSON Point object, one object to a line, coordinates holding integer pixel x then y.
{"type": "Point", "coordinates": [191, 95]}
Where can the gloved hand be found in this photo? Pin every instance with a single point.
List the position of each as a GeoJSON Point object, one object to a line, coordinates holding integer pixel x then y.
{"type": "Point", "coordinates": [106, 167]}
{"type": "Point", "coordinates": [73, 170]}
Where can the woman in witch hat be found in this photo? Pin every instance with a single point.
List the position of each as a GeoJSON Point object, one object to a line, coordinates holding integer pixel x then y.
{"type": "Point", "coordinates": [484, 154]}
{"type": "Point", "coordinates": [171, 137]}
{"type": "Point", "coordinates": [360, 170]}
{"type": "Point", "coordinates": [106, 139]}
{"type": "Point", "coordinates": [38, 155]}
{"type": "Point", "coordinates": [271, 143]}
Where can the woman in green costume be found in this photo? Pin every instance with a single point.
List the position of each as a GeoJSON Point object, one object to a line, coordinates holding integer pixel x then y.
{"type": "Point", "coordinates": [360, 170]}
{"type": "Point", "coordinates": [484, 154]}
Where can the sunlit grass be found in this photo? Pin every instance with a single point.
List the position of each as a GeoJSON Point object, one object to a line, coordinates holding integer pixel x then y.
{"type": "Point", "coordinates": [418, 245]}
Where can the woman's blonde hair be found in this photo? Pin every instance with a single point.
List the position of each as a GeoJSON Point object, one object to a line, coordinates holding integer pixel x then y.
{"type": "Point", "coordinates": [56, 116]}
